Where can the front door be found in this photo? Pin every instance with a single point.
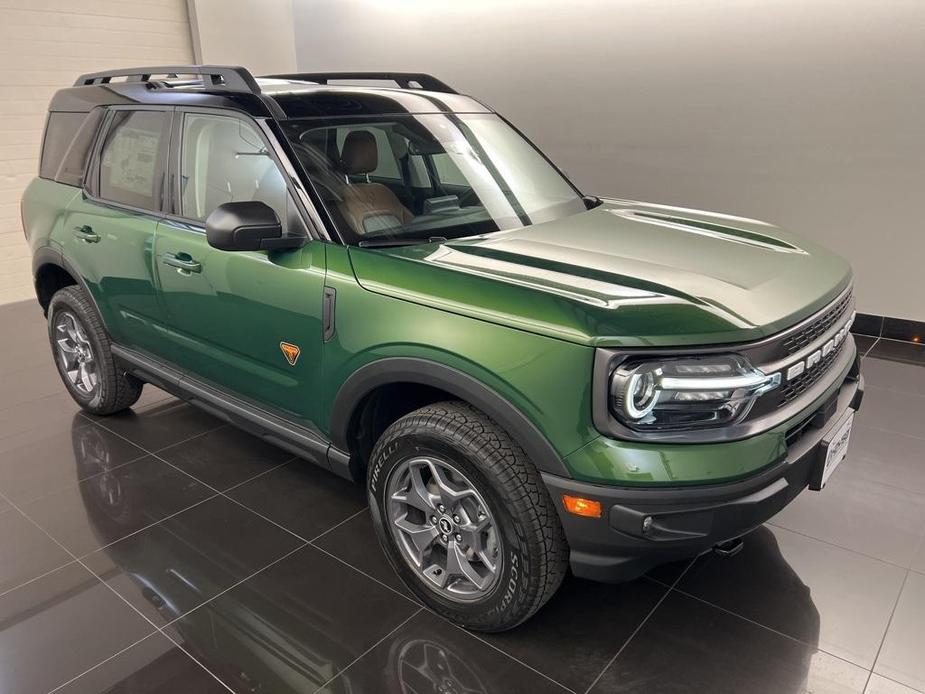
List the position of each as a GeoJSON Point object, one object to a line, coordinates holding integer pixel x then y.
{"type": "Point", "coordinates": [246, 321]}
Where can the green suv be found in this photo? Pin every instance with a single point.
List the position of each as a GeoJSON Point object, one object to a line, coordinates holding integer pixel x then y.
{"type": "Point", "coordinates": [393, 283]}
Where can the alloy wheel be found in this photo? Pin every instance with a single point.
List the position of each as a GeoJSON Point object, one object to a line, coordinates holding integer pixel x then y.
{"type": "Point", "coordinates": [76, 353]}
{"type": "Point", "coordinates": [443, 528]}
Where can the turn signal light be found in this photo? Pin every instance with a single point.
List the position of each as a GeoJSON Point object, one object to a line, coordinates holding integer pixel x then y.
{"type": "Point", "coordinates": [582, 507]}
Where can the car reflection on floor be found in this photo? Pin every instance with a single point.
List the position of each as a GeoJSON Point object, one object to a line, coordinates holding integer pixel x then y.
{"type": "Point", "coordinates": [269, 636]}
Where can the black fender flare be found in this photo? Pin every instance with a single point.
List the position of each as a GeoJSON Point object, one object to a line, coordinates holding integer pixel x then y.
{"type": "Point", "coordinates": [49, 256]}
{"type": "Point", "coordinates": [463, 386]}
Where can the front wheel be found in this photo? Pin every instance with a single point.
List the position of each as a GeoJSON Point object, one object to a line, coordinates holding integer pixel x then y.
{"type": "Point", "coordinates": [464, 518]}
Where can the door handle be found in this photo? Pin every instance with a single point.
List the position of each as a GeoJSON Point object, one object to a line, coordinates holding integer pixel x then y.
{"type": "Point", "coordinates": [86, 233]}
{"type": "Point", "coordinates": [182, 261]}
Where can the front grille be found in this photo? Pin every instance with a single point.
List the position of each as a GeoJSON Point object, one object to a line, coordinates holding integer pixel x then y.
{"type": "Point", "coordinates": [811, 332]}
{"type": "Point", "coordinates": [796, 387]}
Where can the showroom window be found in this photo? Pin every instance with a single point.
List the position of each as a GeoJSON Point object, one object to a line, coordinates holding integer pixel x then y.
{"type": "Point", "coordinates": [132, 158]}
{"type": "Point", "coordinates": [223, 159]}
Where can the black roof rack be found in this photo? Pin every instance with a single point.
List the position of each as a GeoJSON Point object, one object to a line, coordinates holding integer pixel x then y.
{"type": "Point", "coordinates": [224, 77]}
{"type": "Point", "coordinates": [405, 80]}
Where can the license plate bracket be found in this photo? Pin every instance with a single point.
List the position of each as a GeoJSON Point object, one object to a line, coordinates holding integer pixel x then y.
{"type": "Point", "coordinates": [832, 451]}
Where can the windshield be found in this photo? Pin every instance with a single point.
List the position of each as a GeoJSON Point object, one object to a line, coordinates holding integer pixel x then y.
{"type": "Point", "coordinates": [413, 177]}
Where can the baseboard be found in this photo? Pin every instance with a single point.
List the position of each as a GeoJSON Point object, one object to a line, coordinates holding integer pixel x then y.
{"type": "Point", "coordinates": [889, 328]}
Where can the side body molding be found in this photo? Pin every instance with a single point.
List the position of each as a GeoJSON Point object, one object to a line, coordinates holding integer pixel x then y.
{"type": "Point", "coordinates": [429, 373]}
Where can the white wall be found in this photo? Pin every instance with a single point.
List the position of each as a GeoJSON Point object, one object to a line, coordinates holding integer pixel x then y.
{"type": "Point", "coordinates": [806, 114]}
{"type": "Point", "coordinates": [256, 34]}
{"type": "Point", "coordinates": [46, 45]}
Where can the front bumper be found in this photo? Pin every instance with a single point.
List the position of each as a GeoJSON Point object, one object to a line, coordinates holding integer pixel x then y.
{"type": "Point", "coordinates": [643, 527]}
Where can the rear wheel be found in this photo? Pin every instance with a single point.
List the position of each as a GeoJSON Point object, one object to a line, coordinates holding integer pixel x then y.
{"type": "Point", "coordinates": [81, 347]}
{"type": "Point", "coordinates": [464, 518]}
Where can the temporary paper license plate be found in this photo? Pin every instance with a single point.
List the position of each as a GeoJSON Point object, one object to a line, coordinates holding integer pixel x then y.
{"type": "Point", "coordinates": [837, 448]}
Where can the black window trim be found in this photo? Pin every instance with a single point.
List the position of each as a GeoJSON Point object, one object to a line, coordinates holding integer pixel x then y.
{"type": "Point", "coordinates": [172, 208]}
{"type": "Point", "coordinates": [89, 156]}
{"type": "Point", "coordinates": [91, 182]}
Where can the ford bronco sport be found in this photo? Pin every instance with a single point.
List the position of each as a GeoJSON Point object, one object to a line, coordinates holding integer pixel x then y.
{"type": "Point", "coordinates": [395, 284]}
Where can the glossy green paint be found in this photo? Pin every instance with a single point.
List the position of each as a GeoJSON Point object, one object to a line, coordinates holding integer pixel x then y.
{"type": "Point", "coordinates": [545, 378]}
{"type": "Point", "coordinates": [610, 276]}
{"type": "Point", "coordinates": [225, 322]}
{"type": "Point", "coordinates": [521, 311]}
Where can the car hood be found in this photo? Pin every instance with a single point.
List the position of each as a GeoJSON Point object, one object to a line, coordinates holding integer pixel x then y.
{"type": "Point", "coordinates": [624, 273]}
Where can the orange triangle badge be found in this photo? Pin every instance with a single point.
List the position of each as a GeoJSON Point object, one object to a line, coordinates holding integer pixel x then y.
{"type": "Point", "coordinates": [290, 351]}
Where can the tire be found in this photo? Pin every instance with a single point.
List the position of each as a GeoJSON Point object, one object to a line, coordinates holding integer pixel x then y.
{"type": "Point", "coordinates": [73, 319]}
{"type": "Point", "coordinates": [471, 453]}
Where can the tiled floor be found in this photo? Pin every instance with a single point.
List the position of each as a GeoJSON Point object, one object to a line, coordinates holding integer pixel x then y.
{"type": "Point", "coordinates": [161, 551]}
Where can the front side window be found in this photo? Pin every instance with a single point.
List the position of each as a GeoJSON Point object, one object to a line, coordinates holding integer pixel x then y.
{"type": "Point", "coordinates": [132, 158]}
{"type": "Point", "coordinates": [455, 175]}
{"type": "Point", "coordinates": [223, 159]}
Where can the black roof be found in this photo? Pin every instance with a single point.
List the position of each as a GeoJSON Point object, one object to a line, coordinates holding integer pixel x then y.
{"type": "Point", "coordinates": [301, 95]}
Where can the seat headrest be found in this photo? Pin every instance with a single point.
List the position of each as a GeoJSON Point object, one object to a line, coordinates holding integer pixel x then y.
{"type": "Point", "coordinates": [360, 154]}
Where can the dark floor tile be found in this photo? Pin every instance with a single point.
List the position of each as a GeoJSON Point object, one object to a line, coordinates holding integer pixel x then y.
{"type": "Point", "coordinates": [25, 551]}
{"type": "Point", "coordinates": [292, 627]}
{"type": "Point", "coordinates": [864, 343]}
{"type": "Point", "coordinates": [355, 543]}
{"type": "Point", "coordinates": [901, 656]}
{"type": "Point", "coordinates": [153, 666]}
{"type": "Point", "coordinates": [429, 655]}
{"type": "Point", "coordinates": [152, 395]}
{"type": "Point", "coordinates": [33, 420]}
{"type": "Point", "coordinates": [882, 371]}
{"type": "Point", "coordinates": [688, 646]}
{"type": "Point", "coordinates": [109, 506]}
{"type": "Point", "coordinates": [908, 353]}
{"type": "Point", "coordinates": [59, 626]}
{"type": "Point", "coordinates": [225, 457]}
{"type": "Point", "coordinates": [881, 456]}
{"type": "Point", "coordinates": [828, 597]}
{"type": "Point", "coordinates": [669, 573]}
{"type": "Point", "coordinates": [160, 425]}
{"type": "Point", "coordinates": [62, 459]}
{"type": "Point", "coordinates": [893, 410]}
{"type": "Point", "coordinates": [853, 512]}
{"type": "Point", "coordinates": [302, 497]}
{"type": "Point", "coordinates": [583, 625]}
{"type": "Point", "coordinates": [33, 382]}
{"type": "Point", "coordinates": [172, 567]}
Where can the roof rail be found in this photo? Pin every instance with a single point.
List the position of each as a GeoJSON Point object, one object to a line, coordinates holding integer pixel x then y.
{"type": "Point", "coordinates": [224, 77]}
{"type": "Point", "coordinates": [405, 80]}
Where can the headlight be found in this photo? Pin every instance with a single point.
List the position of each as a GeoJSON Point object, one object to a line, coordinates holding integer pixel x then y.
{"type": "Point", "coordinates": [686, 393]}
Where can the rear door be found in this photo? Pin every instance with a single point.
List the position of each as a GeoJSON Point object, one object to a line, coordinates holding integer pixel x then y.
{"type": "Point", "coordinates": [232, 314]}
{"type": "Point", "coordinates": [110, 226]}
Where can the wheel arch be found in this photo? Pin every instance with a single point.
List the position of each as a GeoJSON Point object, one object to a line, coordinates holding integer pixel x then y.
{"type": "Point", "coordinates": [51, 272]}
{"type": "Point", "coordinates": [423, 382]}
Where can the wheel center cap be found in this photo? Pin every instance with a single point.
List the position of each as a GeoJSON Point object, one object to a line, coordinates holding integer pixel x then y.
{"type": "Point", "coordinates": [445, 525]}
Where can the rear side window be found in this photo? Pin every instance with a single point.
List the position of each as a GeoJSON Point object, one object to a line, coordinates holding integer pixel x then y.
{"type": "Point", "coordinates": [132, 158]}
{"type": "Point", "coordinates": [66, 149]}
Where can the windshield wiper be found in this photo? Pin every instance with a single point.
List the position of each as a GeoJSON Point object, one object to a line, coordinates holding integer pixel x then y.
{"type": "Point", "coordinates": [400, 241]}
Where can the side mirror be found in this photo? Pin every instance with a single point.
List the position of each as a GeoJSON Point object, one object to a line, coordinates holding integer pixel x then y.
{"type": "Point", "coordinates": [247, 226]}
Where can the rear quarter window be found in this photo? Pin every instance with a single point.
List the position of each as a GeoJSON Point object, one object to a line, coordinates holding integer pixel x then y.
{"type": "Point", "coordinates": [66, 148]}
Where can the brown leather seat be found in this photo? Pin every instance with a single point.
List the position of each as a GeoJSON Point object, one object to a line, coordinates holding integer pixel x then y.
{"type": "Point", "coordinates": [368, 206]}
